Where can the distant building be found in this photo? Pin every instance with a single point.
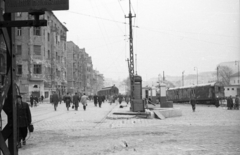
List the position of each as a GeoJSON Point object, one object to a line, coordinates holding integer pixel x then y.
{"type": "Point", "coordinates": [41, 57]}
{"type": "Point", "coordinates": [234, 88]}
{"type": "Point", "coordinates": [235, 79]}
{"type": "Point", "coordinates": [231, 90]}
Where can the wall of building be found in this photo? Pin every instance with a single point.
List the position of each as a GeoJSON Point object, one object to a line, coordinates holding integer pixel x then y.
{"type": "Point", "coordinates": [230, 91]}
{"type": "Point", "coordinates": [51, 41]}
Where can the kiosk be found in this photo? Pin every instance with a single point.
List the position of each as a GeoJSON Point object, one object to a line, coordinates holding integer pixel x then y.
{"type": "Point", "coordinates": [137, 104]}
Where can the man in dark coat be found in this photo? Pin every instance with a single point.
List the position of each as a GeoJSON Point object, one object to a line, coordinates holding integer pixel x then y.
{"type": "Point", "coordinates": [236, 103]}
{"type": "Point", "coordinates": [193, 102]}
{"type": "Point", "coordinates": [24, 120]}
{"type": "Point", "coordinates": [42, 98]}
{"type": "Point", "coordinates": [95, 99]}
{"type": "Point", "coordinates": [55, 100]}
{"type": "Point", "coordinates": [120, 98]}
{"type": "Point", "coordinates": [31, 100]}
{"type": "Point", "coordinates": [67, 100]}
{"type": "Point", "coordinates": [99, 101]}
{"type": "Point", "coordinates": [217, 102]}
{"type": "Point", "coordinates": [76, 101]}
{"type": "Point", "coordinates": [231, 102]}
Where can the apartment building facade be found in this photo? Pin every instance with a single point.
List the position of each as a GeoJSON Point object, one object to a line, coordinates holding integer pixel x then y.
{"type": "Point", "coordinates": [41, 57]}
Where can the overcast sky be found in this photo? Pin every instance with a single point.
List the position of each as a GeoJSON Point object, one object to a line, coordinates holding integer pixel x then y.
{"type": "Point", "coordinates": [172, 35]}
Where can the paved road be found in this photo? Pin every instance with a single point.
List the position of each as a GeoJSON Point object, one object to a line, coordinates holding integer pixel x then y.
{"type": "Point", "coordinates": [45, 118]}
{"type": "Point", "coordinates": [207, 131]}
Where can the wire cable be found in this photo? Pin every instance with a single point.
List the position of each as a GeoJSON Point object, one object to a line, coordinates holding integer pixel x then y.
{"type": "Point", "coordinates": [121, 6]}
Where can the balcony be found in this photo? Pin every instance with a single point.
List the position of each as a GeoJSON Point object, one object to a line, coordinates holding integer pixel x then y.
{"type": "Point", "coordinates": [37, 77]}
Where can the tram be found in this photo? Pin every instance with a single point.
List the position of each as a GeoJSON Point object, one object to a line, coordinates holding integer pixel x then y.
{"type": "Point", "coordinates": [209, 93]}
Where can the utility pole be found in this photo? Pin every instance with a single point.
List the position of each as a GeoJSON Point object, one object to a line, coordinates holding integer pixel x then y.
{"type": "Point", "coordinates": [131, 60]}
{"type": "Point", "coordinates": [136, 62]}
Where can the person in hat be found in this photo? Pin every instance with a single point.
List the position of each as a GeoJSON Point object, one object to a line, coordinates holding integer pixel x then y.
{"type": "Point", "coordinates": [67, 100]}
{"type": "Point", "coordinates": [55, 100]}
{"type": "Point", "coordinates": [84, 101]}
{"type": "Point", "coordinates": [76, 100]}
{"type": "Point", "coordinates": [24, 120]}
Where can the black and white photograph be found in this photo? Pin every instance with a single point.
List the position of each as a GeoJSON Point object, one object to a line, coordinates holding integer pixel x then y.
{"type": "Point", "coordinates": [119, 77]}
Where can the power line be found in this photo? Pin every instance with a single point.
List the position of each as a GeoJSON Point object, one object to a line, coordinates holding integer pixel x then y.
{"type": "Point", "coordinates": [187, 37]}
{"type": "Point", "coordinates": [112, 18]}
{"type": "Point", "coordinates": [144, 28]}
{"type": "Point", "coordinates": [148, 28]}
{"type": "Point", "coordinates": [96, 17]}
{"type": "Point", "coordinates": [121, 6]}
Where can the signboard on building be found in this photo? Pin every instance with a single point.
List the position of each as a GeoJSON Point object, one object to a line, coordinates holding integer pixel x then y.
{"type": "Point", "coordinates": [35, 5]}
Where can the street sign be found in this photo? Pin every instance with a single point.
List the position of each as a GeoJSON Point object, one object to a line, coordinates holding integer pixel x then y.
{"type": "Point", "coordinates": [35, 5]}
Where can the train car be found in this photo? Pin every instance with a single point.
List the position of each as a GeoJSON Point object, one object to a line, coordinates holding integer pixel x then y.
{"type": "Point", "coordinates": [208, 93]}
{"type": "Point", "coordinates": [108, 91]}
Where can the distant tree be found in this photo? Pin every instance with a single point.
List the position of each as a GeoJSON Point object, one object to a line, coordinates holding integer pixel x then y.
{"type": "Point", "coordinates": [169, 84]}
{"type": "Point", "coordinates": [127, 84]}
{"type": "Point", "coordinates": [223, 74]}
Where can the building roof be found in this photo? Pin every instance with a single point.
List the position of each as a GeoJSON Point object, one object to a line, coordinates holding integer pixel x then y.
{"type": "Point", "coordinates": [232, 86]}
{"type": "Point", "coordinates": [107, 88]}
{"type": "Point", "coordinates": [64, 27]}
{"type": "Point", "coordinates": [235, 74]}
{"type": "Point", "coordinates": [193, 86]}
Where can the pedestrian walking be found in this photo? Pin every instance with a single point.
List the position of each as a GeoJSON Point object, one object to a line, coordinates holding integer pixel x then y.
{"type": "Point", "coordinates": [24, 120]}
{"type": "Point", "coordinates": [193, 101]}
{"type": "Point", "coordinates": [120, 98]}
{"type": "Point", "coordinates": [31, 100]}
{"type": "Point", "coordinates": [217, 102]}
{"type": "Point", "coordinates": [127, 99]}
{"type": "Point", "coordinates": [55, 100]}
{"type": "Point", "coordinates": [42, 98]}
{"type": "Point", "coordinates": [67, 100]}
{"type": "Point", "coordinates": [100, 99]}
{"type": "Point", "coordinates": [76, 101]}
{"type": "Point", "coordinates": [84, 101]}
{"type": "Point", "coordinates": [230, 102]}
{"type": "Point", "coordinates": [236, 106]}
{"type": "Point", "coordinates": [95, 99]}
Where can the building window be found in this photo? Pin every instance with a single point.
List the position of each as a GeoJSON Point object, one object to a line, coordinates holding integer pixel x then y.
{"type": "Point", "coordinates": [37, 49]}
{"type": "Point", "coordinates": [19, 49]}
{"type": "Point", "coordinates": [37, 31]}
{"type": "Point", "coordinates": [49, 54]}
{"type": "Point", "coordinates": [37, 69]}
{"type": "Point", "coordinates": [48, 36]}
{"type": "Point", "coordinates": [19, 69]}
{"type": "Point", "coordinates": [46, 94]}
{"type": "Point", "coordinates": [19, 31]}
{"type": "Point", "coordinates": [228, 89]}
{"type": "Point", "coordinates": [232, 88]}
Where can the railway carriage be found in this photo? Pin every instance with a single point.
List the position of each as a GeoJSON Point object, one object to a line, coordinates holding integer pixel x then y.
{"type": "Point", "coordinates": [108, 91]}
{"type": "Point", "coordinates": [208, 93]}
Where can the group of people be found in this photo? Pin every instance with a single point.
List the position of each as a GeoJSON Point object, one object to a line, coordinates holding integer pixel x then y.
{"type": "Point", "coordinates": [34, 100]}
{"type": "Point", "coordinates": [67, 99]}
{"type": "Point", "coordinates": [98, 100]}
{"type": "Point", "coordinates": [231, 105]}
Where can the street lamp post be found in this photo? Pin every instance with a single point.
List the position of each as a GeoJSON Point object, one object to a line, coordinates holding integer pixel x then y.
{"type": "Point", "coordinates": [183, 78]}
{"type": "Point", "coordinates": [195, 68]}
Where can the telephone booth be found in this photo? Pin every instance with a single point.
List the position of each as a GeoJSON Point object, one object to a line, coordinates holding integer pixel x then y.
{"type": "Point", "coordinates": [137, 104]}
